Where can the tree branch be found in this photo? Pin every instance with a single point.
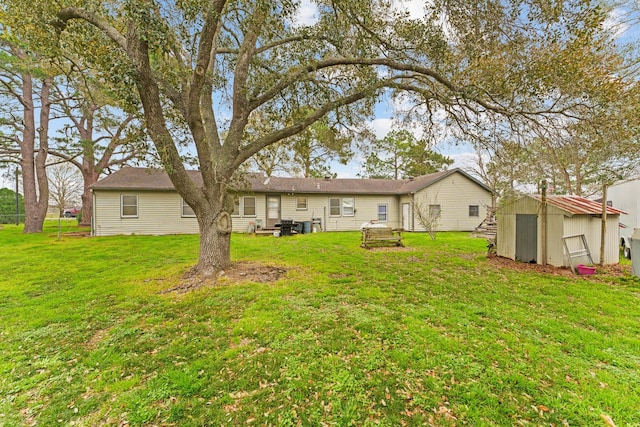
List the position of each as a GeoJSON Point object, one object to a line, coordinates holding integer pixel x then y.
{"type": "Point", "coordinates": [96, 20]}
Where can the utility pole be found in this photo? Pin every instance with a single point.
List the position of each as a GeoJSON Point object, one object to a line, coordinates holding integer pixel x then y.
{"type": "Point", "coordinates": [17, 199]}
{"type": "Point", "coordinates": [543, 223]}
{"type": "Point", "coordinates": [603, 227]}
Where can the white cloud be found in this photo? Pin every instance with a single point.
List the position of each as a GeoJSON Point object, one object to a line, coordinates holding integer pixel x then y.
{"type": "Point", "coordinates": [466, 160]}
{"type": "Point", "coordinates": [381, 126]}
{"type": "Point", "coordinates": [307, 14]}
{"type": "Point", "coordinates": [414, 7]}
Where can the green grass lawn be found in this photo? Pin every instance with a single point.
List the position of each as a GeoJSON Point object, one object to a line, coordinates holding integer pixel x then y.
{"type": "Point", "coordinates": [434, 334]}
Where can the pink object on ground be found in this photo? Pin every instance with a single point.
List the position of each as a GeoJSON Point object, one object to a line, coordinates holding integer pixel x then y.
{"type": "Point", "coordinates": [585, 270]}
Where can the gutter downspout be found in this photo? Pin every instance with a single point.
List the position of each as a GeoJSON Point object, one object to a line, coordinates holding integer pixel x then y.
{"type": "Point", "coordinates": [93, 214]}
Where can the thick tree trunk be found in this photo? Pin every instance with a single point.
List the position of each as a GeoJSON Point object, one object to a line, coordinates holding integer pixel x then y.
{"type": "Point", "coordinates": [88, 168]}
{"type": "Point", "coordinates": [35, 184]}
{"type": "Point", "coordinates": [215, 243]}
{"type": "Point", "coordinates": [89, 178]}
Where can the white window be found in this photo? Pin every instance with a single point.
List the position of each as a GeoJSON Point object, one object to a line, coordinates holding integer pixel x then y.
{"type": "Point", "coordinates": [382, 213]}
{"type": "Point", "coordinates": [301, 203]}
{"type": "Point", "coordinates": [334, 207]}
{"type": "Point", "coordinates": [474, 210]}
{"type": "Point", "coordinates": [348, 207]}
{"type": "Point", "coordinates": [128, 206]}
{"type": "Point", "coordinates": [187, 211]}
{"type": "Point", "coordinates": [235, 211]}
{"type": "Point", "coordinates": [434, 211]}
{"type": "Point", "coordinates": [244, 206]}
{"type": "Point", "coordinates": [249, 206]}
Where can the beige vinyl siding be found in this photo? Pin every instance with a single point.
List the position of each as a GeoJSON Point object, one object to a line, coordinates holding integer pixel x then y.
{"type": "Point", "coordinates": [159, 212]}
{"type": "Point", "coordinates": [454, 194]}
{"type": "Point", "coordinates": [366, 209]}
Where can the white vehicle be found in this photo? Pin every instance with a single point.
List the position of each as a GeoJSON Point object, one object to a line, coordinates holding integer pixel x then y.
{"type": "Point", "coordinates": [626, 196]}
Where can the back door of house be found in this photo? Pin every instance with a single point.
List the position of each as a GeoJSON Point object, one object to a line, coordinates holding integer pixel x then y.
{"type": "Point", "coordinates": [526, 238]}
{"type": "Point", "coordinates": [405, 217]}
{"type": "Point", "coordinates": [273, 210]}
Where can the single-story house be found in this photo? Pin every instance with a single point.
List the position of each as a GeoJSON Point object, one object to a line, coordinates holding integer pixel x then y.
{"type": "Point", "coordinates": [144, 201]}
{"type": "Point", "coordinates": [520, 229]}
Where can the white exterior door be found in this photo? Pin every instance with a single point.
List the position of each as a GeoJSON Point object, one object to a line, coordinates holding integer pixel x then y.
{"type": "Point", "coordinates": [406, 223]}
{"type": "Point", "coordinates": [273, 210]}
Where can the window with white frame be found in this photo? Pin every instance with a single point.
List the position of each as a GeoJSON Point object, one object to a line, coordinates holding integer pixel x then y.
{"type": "Point", "coordinates": [301, 203]}
{"type": "Point", "coordinates": [382, 213]}
{"type": "Point", "coordinates": [434, 211]}
{"type": "Point", "coordinates": [249, 206]}
{"type": "Point", "coordinates": [334, 207]}
{"type": "Point", "coordinates": [187, 211]}
{"type": "Point", "coordinates": [235, 211]}
{"type": "Point", "coordinates": [128, 206]}
{"type": "Point", "coordinates": [348, 206]}
{"type": "Point", "coordinates": [244, 206]}
{"type": "Point", "coordinates": [474, 210]}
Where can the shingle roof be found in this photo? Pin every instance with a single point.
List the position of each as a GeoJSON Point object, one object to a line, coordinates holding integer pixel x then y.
{"type": "Point", "coordinates": [578, 205]}
{"type": "Point", "coordinates": [153, 179]}
{"type": "Point", "coordinates": [141, 179]}
{"type": "Point", "coordinates": [319, 185]}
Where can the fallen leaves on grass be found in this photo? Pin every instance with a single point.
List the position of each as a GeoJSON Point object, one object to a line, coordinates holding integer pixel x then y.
{"type": "Point", "coordinates": [607, 420]}
{"type": "Point", "coordinates": [610, 270]}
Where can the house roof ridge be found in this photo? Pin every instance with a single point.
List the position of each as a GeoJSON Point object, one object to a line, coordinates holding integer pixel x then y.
{"type": "Point", "coordinates": [146, 178]}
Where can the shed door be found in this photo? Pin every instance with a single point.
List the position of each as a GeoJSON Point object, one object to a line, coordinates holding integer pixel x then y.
{"type": "Point", "coordinates": [526, 238]}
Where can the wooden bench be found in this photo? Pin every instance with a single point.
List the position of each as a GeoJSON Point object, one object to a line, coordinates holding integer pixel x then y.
{"type": "Point", "coordinates": [381, 236]}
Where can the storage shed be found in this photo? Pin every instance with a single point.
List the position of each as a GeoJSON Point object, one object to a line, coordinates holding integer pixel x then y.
{"type": "Point", "coordinates": [520, 229]}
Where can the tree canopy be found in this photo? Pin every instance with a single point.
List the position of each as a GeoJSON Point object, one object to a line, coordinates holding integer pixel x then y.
{"type": "Point", "coordinates": [400, 155]}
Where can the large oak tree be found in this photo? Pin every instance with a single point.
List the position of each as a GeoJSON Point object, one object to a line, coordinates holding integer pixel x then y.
{"type": "Point", "coordinates": [217, 65]}
{"type": "Point", "coordinates": [26, 98]}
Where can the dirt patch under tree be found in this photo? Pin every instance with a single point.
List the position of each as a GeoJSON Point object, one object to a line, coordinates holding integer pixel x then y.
{"type": "Point", "coordinates": [237, 272]}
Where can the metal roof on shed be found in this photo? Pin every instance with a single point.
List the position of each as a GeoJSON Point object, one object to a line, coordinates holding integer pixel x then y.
{"type": "Point", "coordinates": [577, 205]}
